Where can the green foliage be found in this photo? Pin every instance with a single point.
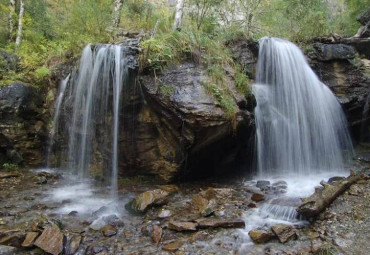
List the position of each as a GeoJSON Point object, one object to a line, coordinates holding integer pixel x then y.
{"type": "Point", "coordinates": [42, 73]}
{"type": "Point", "coordinates": [242, 81]}
{"type": "Point", "coordinates": [166, 90]}
{"type": "Point", "coordinates": [10, 167]}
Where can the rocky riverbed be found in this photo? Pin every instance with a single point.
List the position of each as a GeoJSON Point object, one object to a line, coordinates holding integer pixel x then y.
{"type": "Point", "coordinates": [48, 211]}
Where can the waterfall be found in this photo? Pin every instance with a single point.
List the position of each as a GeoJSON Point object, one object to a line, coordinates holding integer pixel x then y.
{"type": "Point", "coordinates": [54, 130]}
{"type": "Point", "coordinates": [300, 125]}
{"type": "Point", "coordinates": [92, 111]}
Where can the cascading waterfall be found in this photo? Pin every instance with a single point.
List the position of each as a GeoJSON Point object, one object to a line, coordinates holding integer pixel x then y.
{"type": "Point", "coordinates": [92, 106]}
{"type": "Point", "coordinates": [302, 135]}
{"type": "Point", "coordinates": [54, 130]}
{"type": "Point", "coordinates": [301, 127]}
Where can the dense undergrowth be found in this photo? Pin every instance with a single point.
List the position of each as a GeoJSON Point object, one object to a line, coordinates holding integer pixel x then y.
{"type": "Point", "coordinates": [57, 30]}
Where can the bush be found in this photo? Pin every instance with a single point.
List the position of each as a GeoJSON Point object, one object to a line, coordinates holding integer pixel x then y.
{"type": "Point", "coordinates": [10, 167]}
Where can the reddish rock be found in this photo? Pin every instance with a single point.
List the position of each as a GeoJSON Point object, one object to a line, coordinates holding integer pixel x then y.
{"type": "Point", "coordinates": [30, 239]}
{"type": "Point", "coordinates": [182, 226]}
{"type": "Point", "coordinates": [51, 240]}
{"type": "Point", "coordinates": [260, 236]}
{"type": "Point", "coordinates": [284, 233]}
{"type": "Point", "coordinates": [172, 247]}
{"type": "Point", "coordinates": [156, 234]}
{"type": "Point", "coordinates": [257, 197]}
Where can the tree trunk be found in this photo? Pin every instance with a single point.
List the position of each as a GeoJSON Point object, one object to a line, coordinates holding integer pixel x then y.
{"type": "Point", "coordinates": [117, 13]}
{"type": "Point", "coordinates": [10, 20]}
{"type": "Point", "coordinates": [178, 15]}
{"type": "Point", "coordinates": [20, 23]}
{"type": "Point", "coordinates": [323, 197]}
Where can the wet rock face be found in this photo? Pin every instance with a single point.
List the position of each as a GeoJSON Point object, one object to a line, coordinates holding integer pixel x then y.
{"type": "Point", "coordinates": [327, 52]}
{"type": "Point", "coordinates": [181, 130]}
{"type": "Point", "coordinates": [350, 82]}
{"type": "Point", "coordinates": [22, 126]}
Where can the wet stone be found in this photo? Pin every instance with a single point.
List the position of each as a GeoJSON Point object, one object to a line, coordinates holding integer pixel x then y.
{"type": "Point", "coordinates": [109, 230]}
{"type": "Point", "coordinates": [73, 244]}
{"type": "Point", "coordinates": [9, 175]}
{"type": "Point", "coordinates": [284, 232]}
{"type": "Point", "coordinates": [260, 236]}
{"type": "Point", "coordinates": [157, 234]}
{"type": "Point", "coordinates": [335, 179]}
{"type": "Point", "coordinates": [145, 200]}
{"type": "Point", "coordinates": [220, 223]}
{"type": "Point", "coordinates": [113, 220]}
{"type": "Point", "coordinates": [263, 185]}
{"type": "Point", "coordinates": [30, 239]}
{"type": "Point", "coordinates": [172, 247]}
{"type": "Point", "coordinates": [182, 226]}
{"type": "Point", "coordinates": [73, 213]}
{"type": "Point", "coordinates": [100, 211]}
{"type": "Point", "coordinates": [51, 240]}
{"type": "Point", "coordinates": [7, 250]}
{"type": "Point", "coordinates": [40, 180]}
{"type": "Point", "coordinates": [164, 214]}
{"type": "Point", "coordinates": [257, 197]}
{"type": "Point", "coordinates": [13, 238]}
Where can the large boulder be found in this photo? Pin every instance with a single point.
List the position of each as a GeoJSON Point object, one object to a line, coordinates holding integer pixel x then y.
{"type": "Point", "coordinates": [181, 130]}
{"type": "Point", "coordinates": [327, 52]}
{"type": "Point", "coordinates": [22, 128]}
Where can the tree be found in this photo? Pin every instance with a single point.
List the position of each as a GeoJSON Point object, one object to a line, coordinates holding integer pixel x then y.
{"type": "Point", "coordinates": [117, 13]}
{"type": "Point", "coordinates": [10, 19]}
{"type": "Point", "coordinates": [20, 23]}
{"type": "Point", "coordinates": [203, 9]}
{"type": "Point", "coordinates": [178, 15]}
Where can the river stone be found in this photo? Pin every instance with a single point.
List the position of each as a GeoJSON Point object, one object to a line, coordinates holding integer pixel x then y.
{"type": "Point", "coordinates": [220, 223]}
{"type": "Point", "coordinates": [113, 220]}
{"type": "Point", "coordinates": [204, 206]}
{"type": "Point", "coordinates": [156, 234]}
{"type": "Point", "coordinates": [262, 184]}
{"type": "Point", "coordinates": [284, 232]}
{"type": "Point", "coordinates": [257, 197]}
{"type": "Point", "coordinates": [172, 247]}
{"type": "Point", "coordinates": [260, 235]}
{"type": "Point", "coordinates": [30, 239]}
{"type": "Point", "coordinates": [335, 179]}
{"type": "Point", "coordinates": [73, 245]}
{"type": "Point", "coordinates": [109, 230]}
{"type": "Point", "coordinates": [182, 226]}
{"type": "Point", "coordinates": [13, 238]}
{"type": "Point", "coordinates": [164, 213]}
{"type": "Point", "coordinates": [51, 240]}
{"type": "Point", "coordinates": [7, 250]}
{"type": "Point", "coordinates": [149, 198]}
{"type": "Point", "coordinates": [9, 175]}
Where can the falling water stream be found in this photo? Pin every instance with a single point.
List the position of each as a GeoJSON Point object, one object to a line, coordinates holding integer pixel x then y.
{"type": "Point", "coordinates": [302, 134]}
{"type": "Point", "coordinates": [92, 105]}
{"type": "Point", "coordinates": [54, 130]}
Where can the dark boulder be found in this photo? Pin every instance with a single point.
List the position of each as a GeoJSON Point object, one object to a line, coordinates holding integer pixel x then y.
{"type": "Point", "coordinates": [364, 17]}
{"type": "Point", "coordinates": [8, 62]}
{"type": "Point", "coordinates": [23, 130]}
{"type": "Point", "coordinates": [327, 52]}
{"type": "Point", "coordinates": [245, 53]}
